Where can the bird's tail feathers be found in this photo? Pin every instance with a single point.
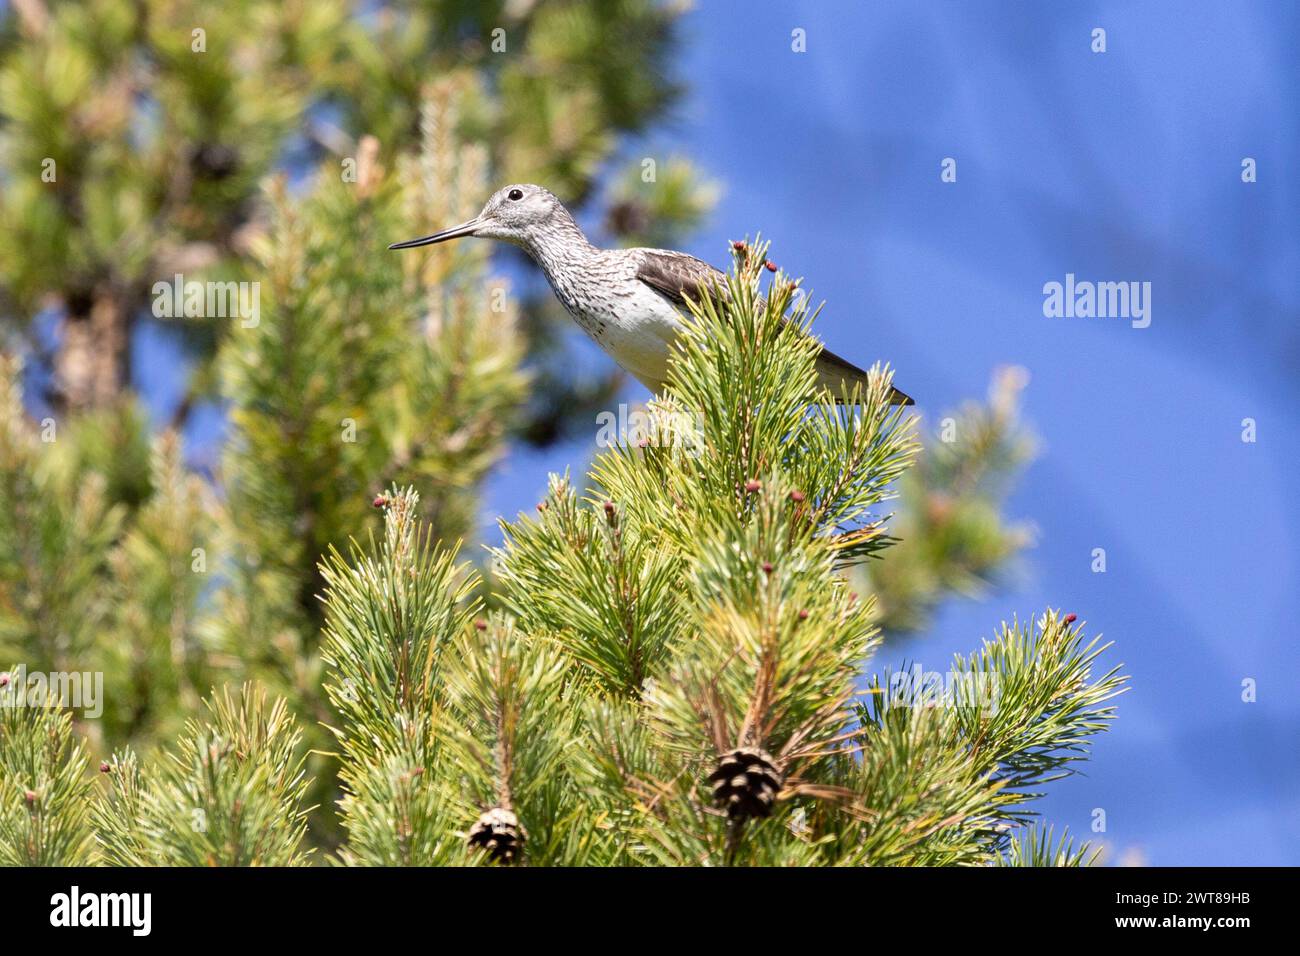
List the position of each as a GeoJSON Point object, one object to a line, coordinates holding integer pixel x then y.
{"type": "Point", "coordinates": [834, 371]}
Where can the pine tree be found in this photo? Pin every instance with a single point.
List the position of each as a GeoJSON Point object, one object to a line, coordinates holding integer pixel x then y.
{"type": "Point", "coordinates": [283, 145]}
{"type": "Point", "coordinates": [136, 138]}
{"type": "Point", "coordinates": [128, 154]}
{"type": "Point", "coordinates": [57, 529]}
{"type": "Point", "coordinates": [45, 794]}
{"type": "Point", "coordinates": [675, 676]}
{"type": "Point", "coordinates": [229, 793]}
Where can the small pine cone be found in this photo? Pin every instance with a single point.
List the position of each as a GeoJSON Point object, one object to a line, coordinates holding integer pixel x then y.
{"type": "Point", "coordinates": [498, 832]}
{"type": "Point", "coordinates": [746, 783]}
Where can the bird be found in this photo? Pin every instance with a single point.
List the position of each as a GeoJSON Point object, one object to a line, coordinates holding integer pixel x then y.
{"type": "Point", "coordinates": [630, 301]}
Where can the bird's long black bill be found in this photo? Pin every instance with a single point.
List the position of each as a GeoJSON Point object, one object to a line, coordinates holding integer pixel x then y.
{"type": "Point", "coordinates": [455, 232]}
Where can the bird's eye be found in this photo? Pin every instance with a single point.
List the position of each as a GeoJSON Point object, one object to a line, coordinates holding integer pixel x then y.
{"type": "Point", "coordinates": [515, 194]}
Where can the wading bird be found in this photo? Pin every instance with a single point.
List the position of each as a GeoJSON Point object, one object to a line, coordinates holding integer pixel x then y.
{"type": "Point", "coordinates": [629, 300]}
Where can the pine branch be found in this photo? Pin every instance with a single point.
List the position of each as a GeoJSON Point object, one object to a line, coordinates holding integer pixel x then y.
{"type": "Point", "coordinates": [44, 791]}
{"type": "Point", "coordinates": [117, 813]}
{"type": "Point", "coordinates": [1037, 846]}
{"type": "Point", "coordinates": [460, 725]}
{"type": "Point", "coordinates": [606, 589]}
{"type": "Point", "coordinates": [392, 613]}
{"type": "Point", "coordinates": [509, 724]}
{"type": "Point", "coordinates": [1033, 722]}
{"type": "Point", "coordinates": [156, 666]}
{"type": "Point", "coordinates": [917, 801]}
{"type": "Point", "coordinates": [1019, 715]}
{"type": "Point", "coordinates": [229, 794]}
{"type": "Point", "coordinates": [56, 530]}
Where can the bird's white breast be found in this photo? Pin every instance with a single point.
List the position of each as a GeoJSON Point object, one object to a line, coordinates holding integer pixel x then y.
{"type": "Point", "coordinates": [630, 321]}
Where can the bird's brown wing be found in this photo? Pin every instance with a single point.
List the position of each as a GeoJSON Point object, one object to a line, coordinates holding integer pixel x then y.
{"type": "Point", "coordinates": [675, 275]}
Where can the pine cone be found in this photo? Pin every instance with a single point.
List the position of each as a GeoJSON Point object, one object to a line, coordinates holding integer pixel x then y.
{"type": "Point", "coordinates": [746, 783]}
{"type": "Point", "coordinates": [498, 832]}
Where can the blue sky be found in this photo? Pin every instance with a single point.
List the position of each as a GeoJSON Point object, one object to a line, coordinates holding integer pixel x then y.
{"type": "Point", "coordinates": [1115, 166]}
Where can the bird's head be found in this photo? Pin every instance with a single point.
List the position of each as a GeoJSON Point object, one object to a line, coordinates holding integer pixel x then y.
{"type": "Point", "coordinates": [516, 214]}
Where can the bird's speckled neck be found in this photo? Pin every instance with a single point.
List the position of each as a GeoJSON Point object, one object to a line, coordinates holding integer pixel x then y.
{"type": "Point", "coordinates": [558, 245]}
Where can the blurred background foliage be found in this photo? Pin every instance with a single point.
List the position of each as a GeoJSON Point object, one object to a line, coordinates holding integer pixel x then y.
{"type": "Point", "coordinates": [287, 143]}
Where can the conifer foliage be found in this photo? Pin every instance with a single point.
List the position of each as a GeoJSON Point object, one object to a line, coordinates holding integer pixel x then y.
{"type": "Point", "coordinates": [674, 675]}
{"type": "Point", "coordinates": [277, 147]}
{"type": "Point", "coordinates": [671, 673]}
{"type": "Point", "coordinates": [664, 664]}
{"type": "Point", "coordinates": [229, 793]}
